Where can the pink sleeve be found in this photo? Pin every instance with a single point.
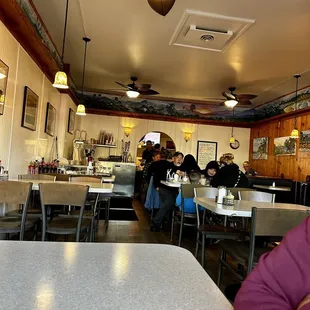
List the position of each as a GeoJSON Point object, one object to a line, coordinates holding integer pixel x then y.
{"type": "Point", "coordinates": [282, 277]}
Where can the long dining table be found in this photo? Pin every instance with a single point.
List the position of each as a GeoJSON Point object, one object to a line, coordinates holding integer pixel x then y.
{"type": "Point", "coordinates": [65, 275]}
{"type": "Point", "coordinates": [243, 208]}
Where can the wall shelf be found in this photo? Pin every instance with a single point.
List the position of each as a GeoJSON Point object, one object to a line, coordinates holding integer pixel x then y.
{"type": "Point", "coordinates": [108, 146]}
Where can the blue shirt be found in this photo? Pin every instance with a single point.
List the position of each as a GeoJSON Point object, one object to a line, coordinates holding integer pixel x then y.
{"type": "Point", "coordinates": [189, 205]}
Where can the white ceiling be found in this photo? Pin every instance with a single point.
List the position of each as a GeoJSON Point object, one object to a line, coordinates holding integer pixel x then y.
{"type": "Point", "coordinates": [129, 38]}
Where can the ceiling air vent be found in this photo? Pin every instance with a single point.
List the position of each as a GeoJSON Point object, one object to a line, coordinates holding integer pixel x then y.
{"type": "Point", "coordinates": [208, 31]}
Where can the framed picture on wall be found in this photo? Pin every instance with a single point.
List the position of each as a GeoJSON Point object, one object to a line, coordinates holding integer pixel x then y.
{"type": "Point", "coordinates": [206, 151]}
{"type": "Point", "coordinates": [4, 73]}
{"type": "Point", "coordinates": [30, 109]}
{"type": "Point", "coordinates": [50, 120]}
{"type": "Point", "coordinates": [71, 121]}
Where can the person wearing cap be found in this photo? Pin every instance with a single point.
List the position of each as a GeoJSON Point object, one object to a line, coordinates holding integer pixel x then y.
{"type": "Point", "coordinates": [211, 170]}
{"type": "Point", "coordinates": [229, 174]}
{"type": "Point", "coordinates": [249, 171]}
{"type": "Point", "coordinates": [167, 194]}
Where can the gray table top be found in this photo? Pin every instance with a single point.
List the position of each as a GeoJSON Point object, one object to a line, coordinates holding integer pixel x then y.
{"type": "Point", "coordinates": [48, 275]}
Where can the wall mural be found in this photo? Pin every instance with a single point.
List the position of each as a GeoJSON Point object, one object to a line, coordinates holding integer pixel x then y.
{"type": "Point", "coordinates": [199, 112]}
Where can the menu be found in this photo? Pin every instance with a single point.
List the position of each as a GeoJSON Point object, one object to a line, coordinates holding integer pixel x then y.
{"type": "Point", "coordinates": [206, 151]}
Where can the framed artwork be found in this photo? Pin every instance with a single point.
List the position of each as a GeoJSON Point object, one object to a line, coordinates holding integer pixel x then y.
{"type": "Point", "coordinates": [50, 120]}
{"type": "Point", "coordinates": [284, 146]}
{"type": "Point", "coordinates": [206, 151]}
{"type": "Point", "coordinates": [260, 148]}
{"type": "Point", "coordinates": [71, 121]}
{"type": "Point", "coordinates": [304, 144]}
{"type": "Point", "coordinates": [4, 73]}
{"type": "Point", "coordinates": [30, 109]}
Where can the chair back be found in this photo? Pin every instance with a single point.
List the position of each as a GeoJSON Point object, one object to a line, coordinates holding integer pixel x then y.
{"type": "Point", "coordinates": [13, 192]}
{"type": "Point", "coordinates": [187, 190]}
{"type": "Point", "coordinates": [88, 179]}
{"type": "Point", "coordinates": [41, 177]}
{"type": "Point", "coordinates": [256, 196]}
{"type": "Point", "coordinates": [55, 194]}
{"type": "Point", "coordinates": [205, 192]}
{"type": "Point", "coordinates": [235, 190]}
{"type": "Point", "coordinates": [272, 223]}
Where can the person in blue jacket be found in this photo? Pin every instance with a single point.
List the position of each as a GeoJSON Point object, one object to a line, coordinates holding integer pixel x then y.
{"type": "Point", "coordinates": [189, 205]}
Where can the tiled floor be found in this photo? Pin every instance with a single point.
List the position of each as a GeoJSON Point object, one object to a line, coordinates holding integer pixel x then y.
{"type": "Point", "coordinates": [139, 232]}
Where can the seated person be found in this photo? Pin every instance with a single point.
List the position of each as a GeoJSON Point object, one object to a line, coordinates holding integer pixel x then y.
{"type": "Point", "coordinates": [189, 205]}
{"type": "Point", "coordinates": [281, 280]}
{"type": "Point", "coordinates": [189, 164]}
{"type": "Point", "coordinates": [155, 157]}
{"type": "Point", "coordinates": [229, 175]}
{"type": "Point", "coordinates": [211, 170]}
{"type": "Point", "coordinates": [249, 171]}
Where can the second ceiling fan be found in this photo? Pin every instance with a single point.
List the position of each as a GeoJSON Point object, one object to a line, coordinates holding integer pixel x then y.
{"type": "Point", "coordinates": [233, 99]}
{"type": "Point", "coordinates": [134, 89]}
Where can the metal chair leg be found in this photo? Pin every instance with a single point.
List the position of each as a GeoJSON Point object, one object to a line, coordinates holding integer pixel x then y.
{"type": "Point", "coordinates": [172, 227]}
{"type": "Point", "coordinates": [181, 230]}
{"type": "Point", "coordinates": [220, 269]}
{"type": "Point", "coordinates": [197, 244]}
{"type": "Point", "coordinates": [203, 251]}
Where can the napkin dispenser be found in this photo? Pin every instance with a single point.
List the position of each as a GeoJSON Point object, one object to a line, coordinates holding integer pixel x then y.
{"type": "Point", "coordinates": [222, 191]}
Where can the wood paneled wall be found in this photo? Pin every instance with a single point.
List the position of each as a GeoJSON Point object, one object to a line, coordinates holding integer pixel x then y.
{"type": "Point", "coordinates": [295, 167]}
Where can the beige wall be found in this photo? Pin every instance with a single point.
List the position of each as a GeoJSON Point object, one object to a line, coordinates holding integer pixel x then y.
{"type": "Point", "coordinates": [18, 145]}
{"type": "Point", "coordinates": [94, 123]}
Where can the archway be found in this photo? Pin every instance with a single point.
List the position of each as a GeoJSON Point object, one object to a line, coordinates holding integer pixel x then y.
{"type": "Point", "coordinates": [167, 145]}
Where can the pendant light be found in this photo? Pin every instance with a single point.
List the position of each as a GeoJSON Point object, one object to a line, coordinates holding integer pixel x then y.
{"type": "Point", "coordinates": [232, 138]}
{"type": "Point", "coordinates": [161, 7]}
{"type": "Point", "coordinates": [231, 103]}
{"type": "Point", "coordinates": [61, 80]}
{"type": "Point", "coordinates": [295, 132]}
{"type": "Point", "coordinates": [81, 108]}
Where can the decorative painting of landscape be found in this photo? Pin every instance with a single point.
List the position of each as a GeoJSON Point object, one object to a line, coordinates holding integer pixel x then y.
{"type": "Point", "coordinates": [304, 144]}
{"type": "Point", "coordinates": [260, 148]}
{"type": "Point", "coordinates": [284, 146]}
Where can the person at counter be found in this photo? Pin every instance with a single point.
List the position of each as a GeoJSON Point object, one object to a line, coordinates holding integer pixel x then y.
{"type": "Point", "coordinates": [229, 175]}
{"type": "Point", "coordinates": [167, 194]}
{"type": "Point", "coordinates": [148, 152]}
{"type": "Point", "coordinates": [249, 171]}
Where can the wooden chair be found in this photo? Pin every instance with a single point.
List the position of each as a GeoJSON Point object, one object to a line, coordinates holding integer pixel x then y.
{"type": "Point", "coordinates": [12, 192]}
{"type": "Point", "coordinates": [265, 223]}
{"type": "Point", "coordinates": [34, 209]}
{"type": "Point", "coordinates": [60, 195]}
{"type": "Point", "coordinates": [210, 231]}
{"type": "Point", "coordinates": [256, 196]}
{"type": "Point", "coordinates": [187, 191]}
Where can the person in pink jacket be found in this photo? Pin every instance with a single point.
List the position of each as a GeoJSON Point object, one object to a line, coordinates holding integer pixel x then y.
{"type": "Point", "coordinates": [281, 280]}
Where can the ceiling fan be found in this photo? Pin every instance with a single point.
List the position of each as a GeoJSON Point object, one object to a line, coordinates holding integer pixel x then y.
{"type": "Point", "coordinates": [134, 90]}
{"type": "Point", "coordinates": [232, 99]}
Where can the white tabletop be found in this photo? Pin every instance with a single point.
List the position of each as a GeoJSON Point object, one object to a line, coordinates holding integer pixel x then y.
{"type": "Point", "coordinates": [171, 184]}
{"type": "Point", "coordinates": [244, 208]}
{"type": "Point", "coordinates": [273, 188]}
{"type": "Point", "coordinates": [98, 188]}
{"type": "Point", "coordinates": [66, 276]}
{"type": "Point", "coordinates": [110, 179]}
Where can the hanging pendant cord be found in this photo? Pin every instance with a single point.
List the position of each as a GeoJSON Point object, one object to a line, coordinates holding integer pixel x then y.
{"type": "Point", "coordinates": [84, 65]}
{"type": "Point", "coordinates": [65, 31]}
{"type": "Point", "coordinates": [297, 76]}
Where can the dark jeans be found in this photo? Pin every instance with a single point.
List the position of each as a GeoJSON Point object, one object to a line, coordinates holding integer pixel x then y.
{"type": "Point", "coordinates": [168, 198]}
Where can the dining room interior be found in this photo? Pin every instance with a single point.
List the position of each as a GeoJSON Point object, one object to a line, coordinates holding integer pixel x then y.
{"type": "Point", "coordinates": [167, 130]}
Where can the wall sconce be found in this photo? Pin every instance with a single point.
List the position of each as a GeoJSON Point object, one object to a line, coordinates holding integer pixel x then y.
{"type": "Point", "coordinates": [187, 136]}
{"type": "Point", "coordinates": [127, 131]}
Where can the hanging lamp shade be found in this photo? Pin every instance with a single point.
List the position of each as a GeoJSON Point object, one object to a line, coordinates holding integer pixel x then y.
{"type": "Point", "coordinates": [81, 110]}
{"type": "Point", "coordinates": [295, 133]}
{"type": "Point", "coordinates": [232, 140]}
{"type": "Point", "coordinates": [161, 7]}
{"type": "Point", "coordinates": [61, 80]}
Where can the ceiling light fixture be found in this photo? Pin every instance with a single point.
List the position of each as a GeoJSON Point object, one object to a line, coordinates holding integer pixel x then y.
{"type": "Point", "coordinates": [231, 103]}
{"type": "Point", "coordinates": [132, 94]}
{"type": "Point", "coordinates": [295, 132]}
{"type": "Point", "coordinates": [61, 80]}
{"type": "Point", "coordinates": [161, 7]}
{"type": "Point", "coordinates": [81, 108]}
